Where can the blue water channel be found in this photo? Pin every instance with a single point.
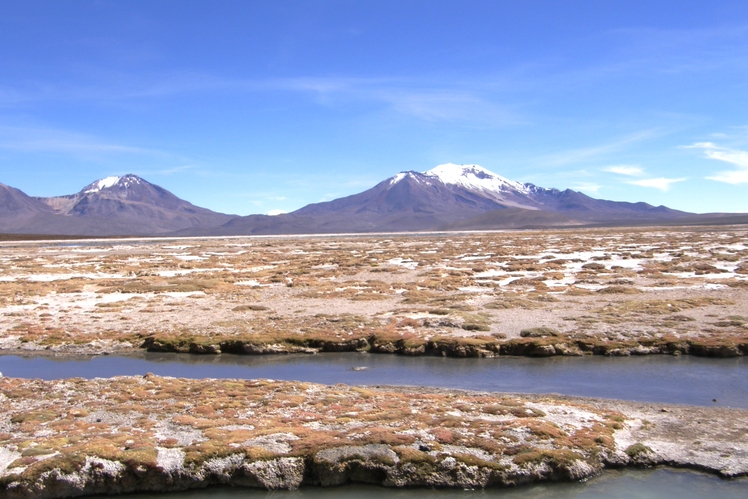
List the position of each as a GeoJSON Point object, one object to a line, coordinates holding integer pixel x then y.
{"type": "Point", "coordinates": [655, 378]}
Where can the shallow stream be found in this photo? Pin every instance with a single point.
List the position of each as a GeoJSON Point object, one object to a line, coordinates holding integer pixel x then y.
{"type": "Point", "coordinates": [654, 378]}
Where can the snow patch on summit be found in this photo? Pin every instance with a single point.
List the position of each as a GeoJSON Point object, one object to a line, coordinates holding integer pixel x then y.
{"type": "Point", "coordinates": [108, 182]}
{"type": "Point", "coordinates": [102, 184]}
{"type": "Point", "coordinates": [397, 178]}
{"type": "Point", "coordinates": [475, 177]}
{"type": "Point", "coordinates": [414, 176]}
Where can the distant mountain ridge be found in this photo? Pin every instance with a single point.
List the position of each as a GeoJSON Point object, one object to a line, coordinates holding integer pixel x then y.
{"type": "Point", "coordinates": [127, 205]}
{"type": "Point", "coordinates": [447, 197]}
{"type": "Point", "coordinates": [127, 194]}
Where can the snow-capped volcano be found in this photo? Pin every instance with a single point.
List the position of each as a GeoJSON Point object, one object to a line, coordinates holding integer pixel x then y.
{"type": "Point", "coordinates": [129, 204]}
{"type": "Point", "coordinates": [451, 195]}
{"type": "Point", "coordinates": [111, 194]}
{"type": "Point", "coordinates": [414, 200]}
{"type": "Point", "coordinates": [125, 188]}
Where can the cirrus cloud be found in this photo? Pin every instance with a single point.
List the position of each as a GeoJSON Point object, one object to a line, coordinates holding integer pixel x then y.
{"type": "Point", "coordinates": [588, 187]}
{"type": "Point", "coordinates": [660, 183]}
{"type": "Point", "coordinates": [731, 177]}
{"type": "Point", "coordinates": [628, 170]}
{"type": "Point", "coordinates": [734, 157]}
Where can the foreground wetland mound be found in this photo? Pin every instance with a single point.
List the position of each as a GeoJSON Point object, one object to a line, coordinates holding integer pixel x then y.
{"type": "Point", "coordinates": [125, 434]}
{"type": "Point", "coordinates": [602, 291]}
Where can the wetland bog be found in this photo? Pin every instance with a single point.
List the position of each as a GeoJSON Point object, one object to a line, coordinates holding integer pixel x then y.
{"type": "Point", "coordinates": [604, 292]}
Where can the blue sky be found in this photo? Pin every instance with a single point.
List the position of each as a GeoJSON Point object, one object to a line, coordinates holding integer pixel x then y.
{"type": "Point", "coordinates": [248, 107]}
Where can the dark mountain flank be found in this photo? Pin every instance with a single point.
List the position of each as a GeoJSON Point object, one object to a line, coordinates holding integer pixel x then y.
{"type": "Point", "coordinates": [17, 210]}
{"type": "Point", "coordinates": [14, 202]}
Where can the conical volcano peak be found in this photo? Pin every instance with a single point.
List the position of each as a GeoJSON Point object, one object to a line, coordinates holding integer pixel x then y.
{"type": "Point", "coordinates": [120, 205]}
{"type": "Point", "coordinates": [114, 181]}
{"type": "Point", "coordinates": [474, 177]}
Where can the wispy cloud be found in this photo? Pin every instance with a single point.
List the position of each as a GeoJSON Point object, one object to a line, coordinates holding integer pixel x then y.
{"type": "Point", "coordinates": [588, 187]}
{"type": "Point", "coordinates": [643, 50]}
{"type": "Point", "coordinates": [628, 170]}
{"type": "Point", "coordinates": [168, 171]}
{"type": "Point", "coordinates": [734, 157]}
{"type": "Point", "coordinates": [660, 183]}
{"type": "Point", "coordinates": [448, 101]}
{"type": "Point", "coordinates": [689, 50]}
{"type": "Point", "coordinates": [443, 105]}
{"type": "Point", "coordinates": [474, 101]}
{"type": "Point", "coordinates": [29, 139]}
{"type": "Point", "coordinates": [731, 177]}
{"type": "Point", "coordinates": [590, 153]}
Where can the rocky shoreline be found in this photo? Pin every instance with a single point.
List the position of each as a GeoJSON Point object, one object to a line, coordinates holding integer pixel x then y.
{"type": "Point", "coordinates": [76, 437]}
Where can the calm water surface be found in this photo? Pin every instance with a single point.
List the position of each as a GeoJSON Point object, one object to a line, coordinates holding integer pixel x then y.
{"type": "Point", "coordinates": [655, 378]}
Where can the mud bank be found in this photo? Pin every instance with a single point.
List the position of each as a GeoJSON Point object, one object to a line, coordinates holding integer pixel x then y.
{"type": "Point", "coordinates": [547, 345]}
{"type": "Point", "coordinates": [148, 433]}
{"type": "Point", "coordinates": [459, 347]}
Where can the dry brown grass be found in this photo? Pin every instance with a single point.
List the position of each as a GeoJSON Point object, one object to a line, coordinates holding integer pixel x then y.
{"type": "Point", "coordinates": [119, 419]}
